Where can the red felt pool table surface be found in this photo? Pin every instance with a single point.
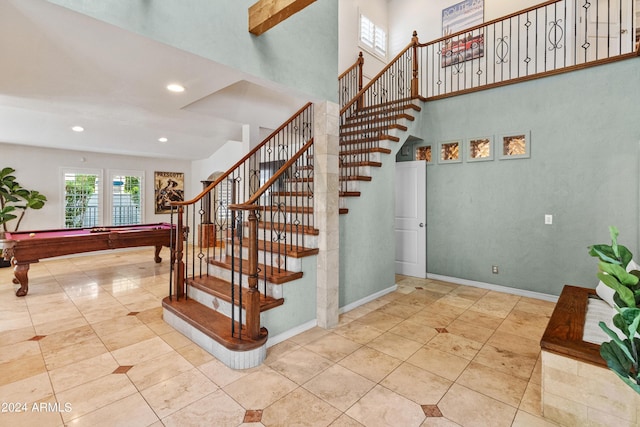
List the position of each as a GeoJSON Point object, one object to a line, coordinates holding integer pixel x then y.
{"type": "Point", "coordinates": [26, 247]}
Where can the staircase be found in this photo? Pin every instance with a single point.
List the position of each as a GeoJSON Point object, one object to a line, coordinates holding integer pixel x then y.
{"type": "Point", "coordinates": [246, 235]}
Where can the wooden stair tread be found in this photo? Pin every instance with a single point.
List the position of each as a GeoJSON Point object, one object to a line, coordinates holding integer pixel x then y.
{"type": "Point", "coordinates": [290, 228]}
{"type": "Point", "coordinates": [343, 211]}
{"type": "Point", "coordinates": [347, 141]}
{"type": "Point", "coordinates": [283, 249]}
{"type": "Point", "coordinates": [372, 129]}
{"type": "Point", "coordinates": [222, 289]}
{"type": "Point", "coordinates": [354, 121]}
{"type": "Point", "coordinates": [362, 163]}
{"type": "Point", "coordinates": [365, 151]}
{"type": "Point", "coordinates": [397, 105]}
{"type": "Point", "coordinates": [349, 194]}
{"type": "Point", "coordinates": [273, 275]}
{"type": "Point", "coordinates": [289, 209]}
{"type": "Point", "coordinates": [308, 194]}
{"type": "Point", "coordinates": [213, 324]}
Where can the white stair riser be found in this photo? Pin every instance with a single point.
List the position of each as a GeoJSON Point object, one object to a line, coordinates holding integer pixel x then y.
{"type": "Point", "coordinates": [224, 274]}
{"type": "Point", "coordinates": [292, 264]}
{"type": "Point", "coordinates": [214, 303]}
{"type": "Point", "coordinates": [232, 359]}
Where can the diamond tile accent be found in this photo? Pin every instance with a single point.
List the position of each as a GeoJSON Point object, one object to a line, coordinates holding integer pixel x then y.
{"type": "Point", "coordinates": [253, 416]}
{"type": "Point", "coordinates": [133, 313]}
{"type": "Point", "coordinates": [122, 369]}
{"type": "Point", "coordinates": [442, 330]}
{"type": "Point", "coordinates": [37, 338]}
{"type": "Point", "coordinates": [431, 411]}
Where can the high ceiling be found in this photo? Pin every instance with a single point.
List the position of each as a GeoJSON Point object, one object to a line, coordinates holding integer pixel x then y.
{"type": "Point", "coordinates": [60, 69]}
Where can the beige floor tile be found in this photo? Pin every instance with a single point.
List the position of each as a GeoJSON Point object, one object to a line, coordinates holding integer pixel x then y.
{"type": "Point", "coordinates": [400, 310]}
{"type": "Point", "coordinates": [58, 340]}
{"type": "Point", "coordinates": [194, 354]}
{"type": "Point", "coordinates": [333, 347]}
{"type": "Point", "coordinates": [179, 391]}
{"type": "Point", "coordinates": [95, 394]}
{"type": "Point", "coordinates": [175, 339]}
{"type": "Point", "coordinates": [58, 325]}
{"type": "Point", "coordinates": [506, 361]}
{"type": "Point", "coordinates": [414, 331]}
{"type": "Point", "coordinates": [352, 387]}
{"type": "Point", "coordinates": [153, 371]}
{"type": "Point", "coordinates": [273, 386]}
{"type": "Point", "coordinates": [524, 419]}
{"type": "Point", "coordinates": [308, 336]}
{"type": "Point", "coordinates": [68, 355]}
{"type": "Point", "coordinates": [470, 331]}
{"type": "Point", "coordinates": [300, 365]}
{"type": "Point", "coordinates": [419, 385]}
{"type": "Point", "coordinates": [535, 306]}
{"type": "Point", "coordinates": [370, 363]}
{"type": "Point", "coordinates": [383, 407]}
{"type": "Point", "coordinates": [498, 385]}
{"type": "Point", "coordinates": [300, 408]}
{"type": "Point", "coordinates": [438, 362]}
{"type": "Point", "coordinates": [455, 344]}
{"type": "Point", "coordinates": [520, 345]}
{"type": "Point", "coordinates": [432, 319]}
{"type": "Point", "coordinates": [82, 372]}
{"type": "Point", "coordinates": [438, 422]}
{"type": "Point", "coordinates": [278, 350]}
{"type": "Point", "coordinates": [395, 345]}
{"type": "Point", "coordinates": [117, 324]}
{"type": "Point", "coordinates": [358, 332]}
{"type": "Point", "coordinates": [29, 389]}
{"type": "Point", "coordinates": [25, 367]}
{"type": "Point", "coordinates": [141, 351]}
{"type": "Point", "coordinates": [19, 350]}
{"type": "Point", "coordinates": [525, 324]}
{"type": "Point", "coordinates": [496, 304]}
{"type": "Point", "coordinates": [532, 400]}
{"type": "Point", "coordinates": [215, 409]}
{"type": "Point", "coordinates": [221, 374]}
{"type": "Point", "coordinates": [12, 332]}
{"type": "Point", "coordinates": [345, 421]}
{"type": "Point", "coordinates": [127, 412]}
{"type": "Point", "coordinates": [470, 408]}
{"type": "Point", "coordinates": [380, 320]}
{"type": "Point", "coordinates": [481, 319]}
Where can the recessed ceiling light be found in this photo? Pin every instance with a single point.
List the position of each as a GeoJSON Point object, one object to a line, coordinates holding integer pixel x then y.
{"type": "Point", "coordinates": [174, 87]}
{"type": "Point", "coordinates": [163, 139]}
{"type": "Point", "coordinates": [77, 129]}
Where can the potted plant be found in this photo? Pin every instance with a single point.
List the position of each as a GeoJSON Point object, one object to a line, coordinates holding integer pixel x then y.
{"type": "Point", "coordinates": [622, 355]}
{"type": "Point", "coordinates": [14, 202]}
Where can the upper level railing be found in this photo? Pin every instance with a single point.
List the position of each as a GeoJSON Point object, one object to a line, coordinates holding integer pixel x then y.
{"type": "Point", "coordinates": [350, 81]}
{"type": "Point", "coordinates": [554, 37]}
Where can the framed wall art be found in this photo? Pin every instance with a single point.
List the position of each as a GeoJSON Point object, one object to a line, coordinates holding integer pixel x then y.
{"type": "Point", "coordinates": [516, 145]}
{"type": "Point", "coordinates": [168, 187]}
{"type": "Point", "coordinates": [424, 152]}
{"type": "Point", "coordinates": [463, 47]}
{"type": "Point", "coordinates": [449, 152]}
{"type": "Point", "coordinates": [479, 149]}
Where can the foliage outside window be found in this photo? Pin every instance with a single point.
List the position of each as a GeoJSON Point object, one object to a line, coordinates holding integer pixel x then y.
{"type": "Point", "coordinates": [126, 197]}
{"type": "Point", "coordinates": [82, 203]}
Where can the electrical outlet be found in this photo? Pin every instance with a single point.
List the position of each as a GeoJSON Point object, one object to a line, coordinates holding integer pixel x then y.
{"type": "Point", "coordinates": [494, 269]}
{"type": "Point", "coordinates": [548, 219]}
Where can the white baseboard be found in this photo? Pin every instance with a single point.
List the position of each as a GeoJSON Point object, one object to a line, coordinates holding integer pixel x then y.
{"type": "Point", "coordinates": [367, 299]}
{"type": "Point", "coordinates": [492, 287]}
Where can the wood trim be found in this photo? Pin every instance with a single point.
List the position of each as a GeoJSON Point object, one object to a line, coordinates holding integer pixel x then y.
{"type": "Point", "coordinates": [266, 14]}
{"type": "Point", "coordinates": [535, 76]}
{"type": "Point", "coordinates": [565, 329]}
{"type": "Point", "coordinates": [358, 62]}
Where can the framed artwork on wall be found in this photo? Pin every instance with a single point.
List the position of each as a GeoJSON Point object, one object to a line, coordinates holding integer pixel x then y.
{"type": "Point", "coordinates": [516, 145]}
{"type": "Point", "coordinates": [449, 152]}
{"type": "Point", "coordinates": [463, 47]}
{"type": "Point", "coordinates": [479, 149]}
{"type": "Point", "coordinates": [423, 152]}
{"type": "Point", "coordinates": [168, 187]}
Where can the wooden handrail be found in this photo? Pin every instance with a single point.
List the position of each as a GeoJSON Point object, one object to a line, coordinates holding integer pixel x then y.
{"type": "Point", "coordinates": [414, 41]}
{"type": "Point", "coordinates": [249, 204]}
{"type": "Point", "coordinates": [358, 62]}
{"type": "Point", "coordinates": [241, 161]}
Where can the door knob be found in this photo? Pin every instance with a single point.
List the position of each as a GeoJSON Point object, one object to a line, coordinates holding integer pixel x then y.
{"type": "Point", "coordinates": [421, 225]}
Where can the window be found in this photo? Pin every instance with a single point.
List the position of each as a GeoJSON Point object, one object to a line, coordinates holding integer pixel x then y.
{"type": "Point", "coordinates": [82, 205]}
{"type": "Point", "coordinates": [126, 197]}
{"type": "Point", "coordinates": [373, 36]}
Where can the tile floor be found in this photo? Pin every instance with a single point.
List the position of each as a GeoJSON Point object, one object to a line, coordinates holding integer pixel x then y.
{"type": "Point", "coordinates": [88, 347]}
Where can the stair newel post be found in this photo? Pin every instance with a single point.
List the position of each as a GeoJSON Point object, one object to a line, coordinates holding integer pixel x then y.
{"type": "Point", "coordinates": [253, 294]}
{"type": "Point", "coordinates": [178, 270]}
{"type": "Point", "coordinates": [414, 79]}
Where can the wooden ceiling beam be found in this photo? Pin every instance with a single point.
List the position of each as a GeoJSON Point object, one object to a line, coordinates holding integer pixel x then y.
{"type": "Point", "coordinates": [266, 14]}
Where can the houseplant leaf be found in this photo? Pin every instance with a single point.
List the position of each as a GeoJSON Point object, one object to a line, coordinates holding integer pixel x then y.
{"type": "Point", "coordinates": [625, 294]}
{"type": "Point", "coordinates": [617, 341]}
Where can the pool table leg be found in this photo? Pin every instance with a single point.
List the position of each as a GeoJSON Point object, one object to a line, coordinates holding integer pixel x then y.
{"type": "Point", "coordinates": [157, 258]}
{"type": "Point", "coordinates": [20, 272]}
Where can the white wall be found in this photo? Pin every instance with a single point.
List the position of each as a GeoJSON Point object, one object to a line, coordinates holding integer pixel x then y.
{"type": "Point", "coordinates": [40, 169]}
{"type": "Point", "coordinates": [349, 29]}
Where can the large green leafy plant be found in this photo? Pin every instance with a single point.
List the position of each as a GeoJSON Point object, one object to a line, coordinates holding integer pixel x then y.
{"type": "Point", "coordinates": [15, 200]}
{"type": "Point", "coordinates": [622, 355]}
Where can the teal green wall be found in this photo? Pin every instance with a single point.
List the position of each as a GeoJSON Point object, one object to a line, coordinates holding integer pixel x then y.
{"type": "Point", "coordinates": [300, 52]}
{"type": "Point", "coordinates": [585, 134]}
{"type": "Point", "coordinates": [367, 240]}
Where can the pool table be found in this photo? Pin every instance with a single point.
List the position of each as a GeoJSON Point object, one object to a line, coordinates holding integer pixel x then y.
{"type": "Point", "coordinates": [26, 247]}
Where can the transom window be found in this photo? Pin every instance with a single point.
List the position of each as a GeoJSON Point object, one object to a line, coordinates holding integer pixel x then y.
{"type": "Point", "coordinates": [373, 36]}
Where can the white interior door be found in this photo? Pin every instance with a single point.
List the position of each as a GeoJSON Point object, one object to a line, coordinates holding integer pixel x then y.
{"type": "Point", "coordinates": [411, 215]}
